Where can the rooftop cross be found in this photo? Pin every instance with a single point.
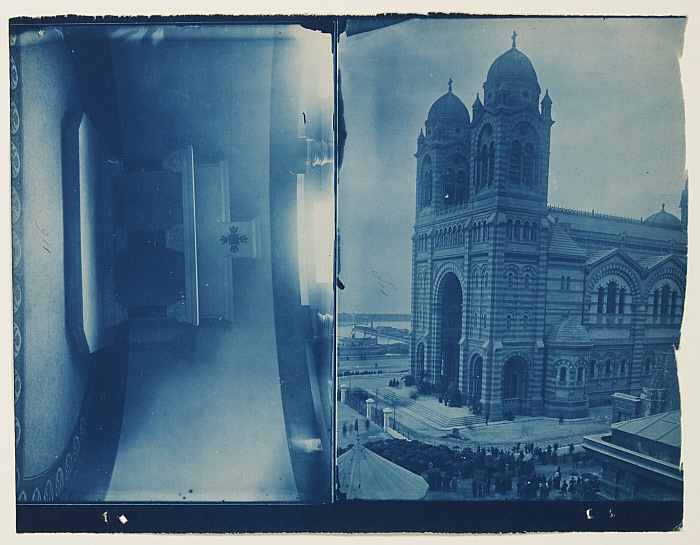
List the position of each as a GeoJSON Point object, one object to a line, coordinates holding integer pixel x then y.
{"type": "Point", "coordinates": [513, 38]}
{"type": "Point", "coordinates": [449, 86]}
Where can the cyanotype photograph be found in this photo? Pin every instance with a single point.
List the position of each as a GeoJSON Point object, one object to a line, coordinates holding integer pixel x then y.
{"type": "Point", "coordinates": [172, 253]}
{"type": "Point", "coordinates": [513, 214]}
{"type": "Point", "coordinates": [368, 274]}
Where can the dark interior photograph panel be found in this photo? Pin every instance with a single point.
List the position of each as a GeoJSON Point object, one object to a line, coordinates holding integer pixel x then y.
{"type": "Point", "coordinates": [172, 251]}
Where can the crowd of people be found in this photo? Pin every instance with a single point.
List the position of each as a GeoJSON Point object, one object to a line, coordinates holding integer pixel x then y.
{"type": "Point", "coordinates": [491, 470]}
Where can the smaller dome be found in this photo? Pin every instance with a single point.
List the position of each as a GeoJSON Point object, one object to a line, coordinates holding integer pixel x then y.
{"type": "Point", "coordinates": [664, 219]}
{"type": "Point", "coordinates": [448, 108]}
{"type": "Point", "coordinates": [568, 333]}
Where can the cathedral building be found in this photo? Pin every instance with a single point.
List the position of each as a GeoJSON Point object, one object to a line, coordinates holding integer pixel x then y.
{"type": "Point", "coordinates": [530, 308]}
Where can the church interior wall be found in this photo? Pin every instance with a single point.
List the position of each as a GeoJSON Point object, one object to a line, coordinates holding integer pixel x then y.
{"type": "Point", "coordinates": [53, 387]}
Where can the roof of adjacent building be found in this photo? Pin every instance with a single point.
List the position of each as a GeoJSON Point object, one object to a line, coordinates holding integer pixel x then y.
{"type": "Point", "coordinates": [365, 475]}
{"type": "Point", "coordinates": [664, 219]}
{"type": "Point", "coordinates": [604, 223]}
{"type": "Point", "coordinates": [567, 332]}
{"type": "Point", "coordinates": [448, 107]}
{"type": "Point", "coordinates": [663, 428]}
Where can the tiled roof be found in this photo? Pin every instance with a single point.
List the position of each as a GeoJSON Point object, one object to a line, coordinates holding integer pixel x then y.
{"type": "Point", "coordinates": [600, 255]}
{"type": "Point", "coordinates": [561, 244]}
{"type": "Point", "coordinates": [568, 333]}
{"type": "Point", "coordinates": [663, 428]}
{"type": "Point", "coordinates": [652, 261]}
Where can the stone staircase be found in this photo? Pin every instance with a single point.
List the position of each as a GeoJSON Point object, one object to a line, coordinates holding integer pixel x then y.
{"type": "Point", "coordinates": [426, 414]}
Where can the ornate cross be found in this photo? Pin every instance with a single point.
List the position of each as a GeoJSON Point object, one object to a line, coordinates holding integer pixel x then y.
{"type": "Point", "coordinates": [513, 38]}
{"type": "Point", "coordinates": [449, 86]}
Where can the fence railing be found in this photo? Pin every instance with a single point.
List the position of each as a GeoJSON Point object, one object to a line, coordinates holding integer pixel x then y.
{"type": "Point", "coordinates": [377, 416]}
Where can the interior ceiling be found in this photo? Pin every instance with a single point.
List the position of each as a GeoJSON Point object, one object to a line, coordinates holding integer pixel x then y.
{"type": "Point", "coordinates": [186, 85]}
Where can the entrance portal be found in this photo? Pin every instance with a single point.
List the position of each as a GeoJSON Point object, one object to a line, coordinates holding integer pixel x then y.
{"type": "Point", "coordinates": [514, 391]}
{"type": "Point", "coordinates": [420, 360]}
{"type": "Point", "coordinates": [451, 328]}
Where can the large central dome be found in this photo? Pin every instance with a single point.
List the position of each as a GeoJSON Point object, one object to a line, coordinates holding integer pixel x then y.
{"type": "Point", "coordinates": [512, 82]}
{"type": "Point", "coordinates": [511, 65]}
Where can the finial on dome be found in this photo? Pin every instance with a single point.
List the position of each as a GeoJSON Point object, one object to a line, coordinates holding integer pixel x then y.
{"type": "Point", "coordinates": [663, 206]}
{"type": "Point", "coordinates": [449, 85]}
{"type": "Point", "coordinates": [515, 34]}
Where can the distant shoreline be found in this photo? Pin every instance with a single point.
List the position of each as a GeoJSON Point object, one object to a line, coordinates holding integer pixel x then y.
{"type": "Point", "coordinates": [361, 317]}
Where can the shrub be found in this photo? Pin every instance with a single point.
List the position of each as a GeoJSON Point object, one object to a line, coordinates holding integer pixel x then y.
{"type": "Point", "coordinates": [414, 393]}
{"type": "Point", "coordinates": [409, 380]}
{"type": "Point", "coordinates": [454, 397]}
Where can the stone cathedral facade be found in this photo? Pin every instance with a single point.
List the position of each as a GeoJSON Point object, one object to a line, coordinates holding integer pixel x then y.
{"type": "Point", "coordinates": [530, 308]}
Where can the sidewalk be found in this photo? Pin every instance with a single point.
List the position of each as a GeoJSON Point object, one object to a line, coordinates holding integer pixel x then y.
{"type": "Point", "coordinates": [347, 416]}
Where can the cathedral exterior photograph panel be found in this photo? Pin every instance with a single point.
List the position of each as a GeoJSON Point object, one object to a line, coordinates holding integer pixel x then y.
{"type": "Point", "coordinates": [513, 224]}
{"type": "Point", "coordinates": [528, 308]}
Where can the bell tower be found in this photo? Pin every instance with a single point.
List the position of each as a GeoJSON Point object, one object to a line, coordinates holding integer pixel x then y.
{"type": "Point", "coordinates": [442, 175]}
{"type": "Point", "coordinates": [510, 134]}
{"type": "Point", "coordinates": [507, 252]}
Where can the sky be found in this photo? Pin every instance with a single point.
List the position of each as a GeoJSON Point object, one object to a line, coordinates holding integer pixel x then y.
{"type": "Point", "coordinates": [617, 145]}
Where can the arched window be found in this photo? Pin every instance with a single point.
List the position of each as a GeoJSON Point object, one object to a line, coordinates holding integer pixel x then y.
{"type": "Point", "coordinates": [592, 368]}
{"type": "Point", "coordinates": [527, 281]}
{"type": "Point", "coordinates": [647, 366]}
{"type": "Point", "coordinates": [623, 366]}
{"type": "Point", "coordinates": [509, 230]}
{"type": "Point", "coordinates": [483, 321]}
{"type": "Point", "coordinates": [562, 374]}
{"type": "Point", "coordinates": [526, 231]}
{"type": "Point", "coordinates": [509, 321]}
{"type": "Point", "coordinates": [563, 283]}
{"type": "Point", "coordinates": [514, 163]}
{"type": "Point", "coordinates": [486, 231]}
{"type": "Point", "coordinates": [534, 232]}
{"type": "Point", "coordinates": [486, 279]}
{"type": "Point", "coordinates": [485, 167]}
{"type": "Point", "coordinates": [568, 283]}
{"type": "Point", "coordinates": [510, 280]}
{"type": "Point", "coordinates": [608, 367]}
{"type": "Point", "coordinates": [516, 235]}
{"type": "Point", "coordinates": [665, 299]}
{"type": "Point", "coordinates": [656, 302]}
{"type": "Point", "coordinates": [601, 296]}
{"type": "Point", "coordinates": [674, 302]}
{"type": "Point", "coordinates": [526, 322]}
{"type": "Point", "coordinates": [579, 376]}
{"type": "Point", "coordinates": [492, 161]}
{"type": "Point", "coordinates": [621, 309]}
{"type": "Point", "coordinates": [528, 165]}
{"type": "Point", "coordinates": [612, 292]}
{"type": "Point", "coordinates": [426, 182]}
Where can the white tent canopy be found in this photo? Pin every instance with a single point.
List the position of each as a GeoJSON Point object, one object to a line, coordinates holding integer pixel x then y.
{"type": "Point", "coordinates": [364, 475]}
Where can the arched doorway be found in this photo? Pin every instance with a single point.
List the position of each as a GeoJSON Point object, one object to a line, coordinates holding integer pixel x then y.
{"type": "Point", "coordinates": [450, 328]}
{"type": "Point", "coordinates": [420, 361]}
{"type": "Point", "coordinates": [475, 380]}
{"type": "Point", "coordinates": [514, 390]}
